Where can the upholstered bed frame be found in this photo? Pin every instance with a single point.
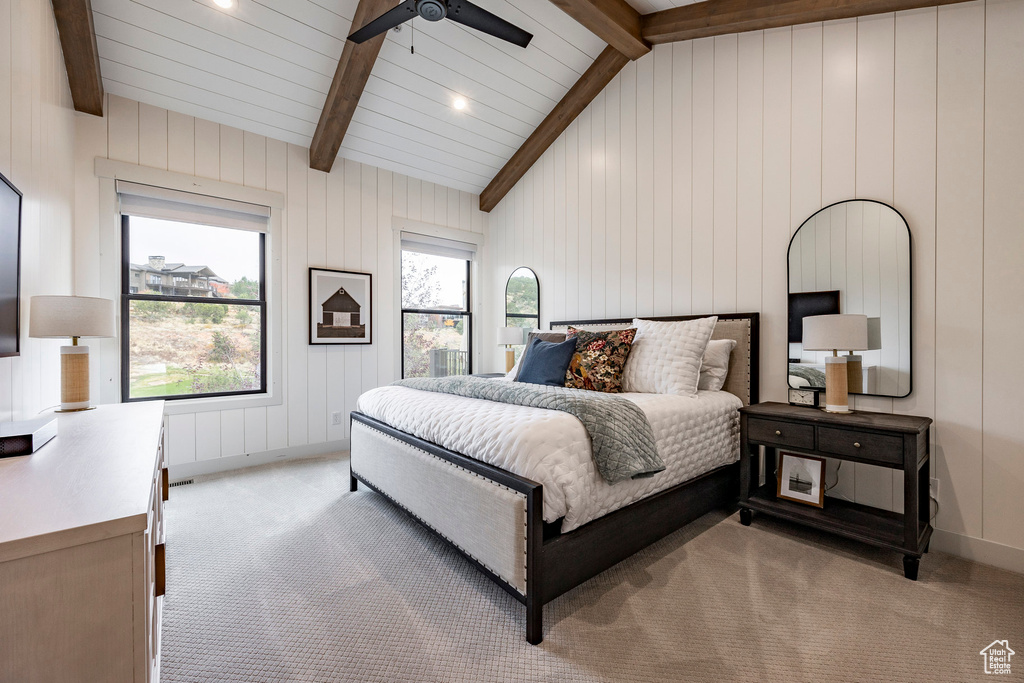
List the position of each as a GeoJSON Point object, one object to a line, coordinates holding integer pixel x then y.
{"type": "Point", "coordinates": [494, 518]}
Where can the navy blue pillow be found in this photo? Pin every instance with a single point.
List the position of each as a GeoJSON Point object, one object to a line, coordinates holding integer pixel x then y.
{"type": "Point", "coordinates": [546, 362]}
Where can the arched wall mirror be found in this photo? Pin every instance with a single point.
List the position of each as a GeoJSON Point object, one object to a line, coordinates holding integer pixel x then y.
{"type": "Point", "coordinates": [522, 300]}
{"type": "Point", "coordinates": [854, 257]}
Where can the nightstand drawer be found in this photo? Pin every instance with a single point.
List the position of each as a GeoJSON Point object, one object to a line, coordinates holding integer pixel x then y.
{"type": "Point", "coordinates": [865, 445]}
{"type": "Point", "coordinates": [780, 433]}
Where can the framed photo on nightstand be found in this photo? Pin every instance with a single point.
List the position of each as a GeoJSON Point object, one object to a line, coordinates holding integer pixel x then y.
{"type": "Point", "coordinates": [801, 479]}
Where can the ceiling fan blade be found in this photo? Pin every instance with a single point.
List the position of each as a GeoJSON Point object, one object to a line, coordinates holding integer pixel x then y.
{"type": "Point", "coordinates": [466, 13]}
{"type": "Point", "coordinates": [388, 20]}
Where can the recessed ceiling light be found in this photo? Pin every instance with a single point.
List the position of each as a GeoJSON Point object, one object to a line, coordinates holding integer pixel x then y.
{"type": "Point", "coordinates": [459, 103]}
{"type": "Point", "coordinates": [226, 4]}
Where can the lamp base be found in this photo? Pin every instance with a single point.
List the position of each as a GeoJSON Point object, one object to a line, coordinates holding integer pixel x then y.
{"type": "Point", "coordinates": [73, 410]}
{"type": "Point", "coordinates": [836, 396]}
{"type": "Point", "coordinates": [855, 374]}
{"type": "Point", "coordinates": [74, 378]}
{"type": "Point", "coordinates": [510, 359]}
{"type": "Point", "coordinates": [839, 412]}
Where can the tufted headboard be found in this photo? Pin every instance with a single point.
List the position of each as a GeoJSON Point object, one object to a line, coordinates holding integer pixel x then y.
{"type": "Point", "coordinates": [744, 369]}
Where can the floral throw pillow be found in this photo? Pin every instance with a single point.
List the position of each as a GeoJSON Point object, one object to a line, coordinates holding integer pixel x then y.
{"type": "Point", "coordinates": [599, 359]}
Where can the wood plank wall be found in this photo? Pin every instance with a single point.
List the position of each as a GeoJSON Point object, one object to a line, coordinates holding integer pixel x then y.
{"type": "Point", "coordinates": [339, 220]}
{"type": "Point", "coordinates": [677, 191]}
{"type": "Point", "coordinates": [36, 154]}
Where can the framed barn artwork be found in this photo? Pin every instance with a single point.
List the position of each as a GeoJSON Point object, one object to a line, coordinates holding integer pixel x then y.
{"type": "Point", "coordinates": [340, 307]}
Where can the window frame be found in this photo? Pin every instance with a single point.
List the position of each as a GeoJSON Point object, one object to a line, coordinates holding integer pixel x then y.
{"type": "Point", "coordinates": [467, 313]}
{"type": "Point", "coordinates": [127, 296]}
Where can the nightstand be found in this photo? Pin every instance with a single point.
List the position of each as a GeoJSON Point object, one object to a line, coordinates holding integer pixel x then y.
{"type": "Point", "coordinates": [886, 440]}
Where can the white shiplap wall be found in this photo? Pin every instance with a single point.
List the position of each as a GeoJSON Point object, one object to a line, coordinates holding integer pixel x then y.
{"type": "Point", "coordinates": [338, 220]}
{"type": "Point", "coordinates": [36, 152]}
{"type": "Point", "coordinates": [677, 191]}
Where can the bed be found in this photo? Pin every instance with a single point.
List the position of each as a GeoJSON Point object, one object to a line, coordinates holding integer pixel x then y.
{"type": "Point", "coordinates": [474, 474]}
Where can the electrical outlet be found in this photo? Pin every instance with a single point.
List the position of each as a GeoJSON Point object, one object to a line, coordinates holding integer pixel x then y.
{"type": "Point", "coordinates": [336, 418]}
{"type": "Point", "coordinates": [933, 488]}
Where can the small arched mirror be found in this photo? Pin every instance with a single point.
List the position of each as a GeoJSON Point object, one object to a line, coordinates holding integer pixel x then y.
{"type": "Point", "coordinates": [854, 257]}
{"type": "Point", "coordinates": [522, 300]}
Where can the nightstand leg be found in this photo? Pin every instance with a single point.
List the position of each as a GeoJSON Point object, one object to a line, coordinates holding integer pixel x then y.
{"type": "Point", "coordinates": [910, 566]}
{"type": "Point", "coordinates": [745, 516]}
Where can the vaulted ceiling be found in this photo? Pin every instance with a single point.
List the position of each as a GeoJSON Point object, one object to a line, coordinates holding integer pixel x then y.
{"type": "Point", "coordinates": [280, 67]}
{"type": "Point", "coordinates": [266, 66]}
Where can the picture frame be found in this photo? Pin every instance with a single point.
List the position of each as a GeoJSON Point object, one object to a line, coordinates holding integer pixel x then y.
{"type": "Point", "coordinates": [340, 307]}
{"type": "Point", "coordinates": [801, 479]}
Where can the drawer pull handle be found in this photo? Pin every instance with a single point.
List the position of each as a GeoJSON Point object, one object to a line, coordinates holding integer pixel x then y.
{"type": "Point", "coordinates": [856, 444]}
{"type": "Point", "coordinates": [778, 433]}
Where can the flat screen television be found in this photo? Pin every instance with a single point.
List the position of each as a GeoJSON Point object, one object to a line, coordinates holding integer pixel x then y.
{"type": "Point", "coordinates": [803, 304]}
{"type": "Point", "coordinates": [10, 268]}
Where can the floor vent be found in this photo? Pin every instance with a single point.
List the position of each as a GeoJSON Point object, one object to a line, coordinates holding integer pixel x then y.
{"type": "Point", "coordinates": [183, 482]}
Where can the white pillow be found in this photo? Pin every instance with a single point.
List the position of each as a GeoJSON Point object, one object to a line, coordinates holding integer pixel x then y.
{"type": "Point", "coordinates": [715, 364]}
{"type": "Point", "coordinates": [666, 356]}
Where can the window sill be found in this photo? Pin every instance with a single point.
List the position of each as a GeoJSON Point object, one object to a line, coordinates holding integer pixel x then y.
{"type": "Point", "coordinates": [217, 403]}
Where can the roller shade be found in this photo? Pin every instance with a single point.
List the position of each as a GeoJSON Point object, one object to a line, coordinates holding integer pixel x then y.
{"type": "Point", "coordinates": [148, 201]}
{"type": "Point", "coordinates": [438, 246]}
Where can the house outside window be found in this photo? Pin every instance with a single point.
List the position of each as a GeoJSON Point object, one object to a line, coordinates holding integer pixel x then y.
{"type": "Point", "coordinates": [194, 306]}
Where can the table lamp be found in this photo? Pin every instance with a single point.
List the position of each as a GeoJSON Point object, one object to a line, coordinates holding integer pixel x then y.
{"type": "Point", "coordinates": [75, 317]}
{"type": "Point", "coordinates": [509, 337]}
{"type": "Point", "coordinates": [830, 333]}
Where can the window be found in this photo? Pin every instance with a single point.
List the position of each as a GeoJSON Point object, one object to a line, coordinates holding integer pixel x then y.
{"type": "Point", "coordinates": [194, 308]}
{"type": "Point", "coordinates": [436, 317]}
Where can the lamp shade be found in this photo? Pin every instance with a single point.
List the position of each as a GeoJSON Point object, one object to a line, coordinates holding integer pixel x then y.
{"type": "Point", "coordinates": [874, 334]}
{"type": "Point", "coordinates": [71, 316]}
{"type": "Point", "coordinates": [847, 331]}
{"type": "Point", "coordinates": [510, 336]}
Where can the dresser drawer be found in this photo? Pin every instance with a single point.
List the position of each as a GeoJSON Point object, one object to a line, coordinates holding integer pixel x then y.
{"type": "Point", "coordinates": [780, 433]}
{"type": "Point", "coordinates": [881, 448]}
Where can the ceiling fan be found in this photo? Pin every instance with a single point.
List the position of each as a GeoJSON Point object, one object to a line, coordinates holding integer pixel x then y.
{"type": "Point", "coordinates": [460, 11]}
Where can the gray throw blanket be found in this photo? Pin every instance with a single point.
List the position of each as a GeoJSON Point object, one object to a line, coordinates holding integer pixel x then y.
{"type": "Point", "coordinates": [814, 377]}
{"type": "Point", "coordinates": [621, 437]}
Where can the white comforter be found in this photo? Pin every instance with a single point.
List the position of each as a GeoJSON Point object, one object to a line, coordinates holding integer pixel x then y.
{"type": "Point", "coordinates": [693, 435]}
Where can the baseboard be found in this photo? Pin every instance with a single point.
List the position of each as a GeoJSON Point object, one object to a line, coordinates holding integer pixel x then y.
{"type": "Point", "coordinates": [235, 462]}
{"type": "Point", "coordinates": [979, 550]}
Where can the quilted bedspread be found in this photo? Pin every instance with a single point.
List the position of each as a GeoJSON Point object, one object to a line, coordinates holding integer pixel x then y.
{"type": "Point", "coordinates": [621, 438]}
{"type": "Point", "coordinates": [693, 436]}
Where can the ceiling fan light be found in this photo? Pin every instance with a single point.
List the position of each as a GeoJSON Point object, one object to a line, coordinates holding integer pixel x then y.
{"type": "Point", "coordinates": [224, 4]}
{"type": "Point", "coordinates": [459, 103]}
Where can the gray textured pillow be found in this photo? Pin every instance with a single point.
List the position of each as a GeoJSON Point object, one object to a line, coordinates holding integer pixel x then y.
{"type": "Point", "coordinates": [714, 367]}
{"type": "Point", "coordinates": [555, 337]}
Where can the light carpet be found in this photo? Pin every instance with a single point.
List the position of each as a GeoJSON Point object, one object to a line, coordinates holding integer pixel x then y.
{"type": "Point", "coordinates": [278, 573]}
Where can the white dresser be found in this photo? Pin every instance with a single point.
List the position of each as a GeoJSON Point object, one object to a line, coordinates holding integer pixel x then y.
{"type": "Point", "coordinates": [81, 550]}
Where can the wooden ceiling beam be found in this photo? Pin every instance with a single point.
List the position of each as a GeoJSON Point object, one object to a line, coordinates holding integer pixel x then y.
{"type": "Point", "coordinates": [582, 93]}
{"type": "Point", "coordinates": [349, 80]}
{"type": "Point", "coordinates": [719, 17]}
{"type": "Point", "coordinates": [613, 21]}
{"type": "Point", "coordinates": [81, 56]}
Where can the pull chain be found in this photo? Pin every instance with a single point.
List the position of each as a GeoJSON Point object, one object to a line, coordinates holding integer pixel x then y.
{"type": "Point", "coordinates": [412, 36]}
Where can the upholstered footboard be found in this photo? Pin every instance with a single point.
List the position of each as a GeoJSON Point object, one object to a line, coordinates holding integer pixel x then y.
{"type": "Point", "coordinates": [494, 518]}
